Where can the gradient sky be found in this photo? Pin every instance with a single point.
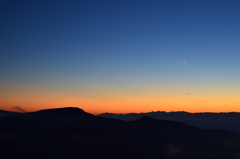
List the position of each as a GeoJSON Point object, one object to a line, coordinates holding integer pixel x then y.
{"type": "Point", "coordinates": [120, 56]}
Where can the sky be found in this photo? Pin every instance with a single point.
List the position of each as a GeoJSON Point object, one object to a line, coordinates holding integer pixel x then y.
{"type": "Point", "coordinates": [120, 56]}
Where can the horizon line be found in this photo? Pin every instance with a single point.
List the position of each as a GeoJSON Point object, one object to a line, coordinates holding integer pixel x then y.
{"type": "Point", "coordinates": [122, 113]}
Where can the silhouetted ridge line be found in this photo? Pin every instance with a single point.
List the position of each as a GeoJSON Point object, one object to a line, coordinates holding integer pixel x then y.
{"type": "Point", "coordinates": [160, 122]}
{"type": "Point", "coordinates": [145, 118]}
{"type": "Point", "coordinates": [62, 111]}
{"type": "Point", "coordinates": [4, 112]}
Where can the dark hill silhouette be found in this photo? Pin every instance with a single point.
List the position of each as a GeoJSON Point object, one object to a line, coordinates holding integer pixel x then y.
{"type": "Point", "coordinates": [228, 121]}
{"type": "Point", "coordinates": [4, 113]}
{"type": "Point", "coordinates": [64, 111]}
{"type": "Point", "coordinates": [145, 119]}
{"type": "Point", "coordinates": [72, 133]}
{"type": "Point", "coordinates": [166, 124]}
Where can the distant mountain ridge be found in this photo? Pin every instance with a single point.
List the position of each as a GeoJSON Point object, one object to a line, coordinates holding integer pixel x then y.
{"type": "Point", "coordinates": [228, 121]}
{"type": "Point", "coordinates": [134, 116]}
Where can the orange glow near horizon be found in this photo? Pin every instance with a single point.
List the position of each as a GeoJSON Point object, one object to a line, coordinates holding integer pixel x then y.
{"type": "Point", "coordinates": [125, 104]}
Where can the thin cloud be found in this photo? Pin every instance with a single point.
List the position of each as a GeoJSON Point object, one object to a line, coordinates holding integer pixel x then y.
{"type": "Point", "coordinates": [204, 100]}
{"type": "Point", "coordinates": [18, 109]}
{"type": "Point", "coordinates": [201, 101]}
{"type": "Point", "coordinates": [184, 61]}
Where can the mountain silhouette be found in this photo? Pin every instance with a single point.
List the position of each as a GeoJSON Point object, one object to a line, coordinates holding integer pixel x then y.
{"type": "Point", "coordinates": [145, 119]}
{"type": "Point", "coordinates": [73, 133]}
{"type": "Point", "coordinates": [64, 111]}
{"type": "Point", "coordinates": [228, 121]}
{"type": "Point", "coordinates": [4, 113]}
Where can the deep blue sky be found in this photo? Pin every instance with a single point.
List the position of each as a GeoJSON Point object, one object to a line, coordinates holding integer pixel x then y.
{"type": "Point", "coordinates": [84, 47]}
